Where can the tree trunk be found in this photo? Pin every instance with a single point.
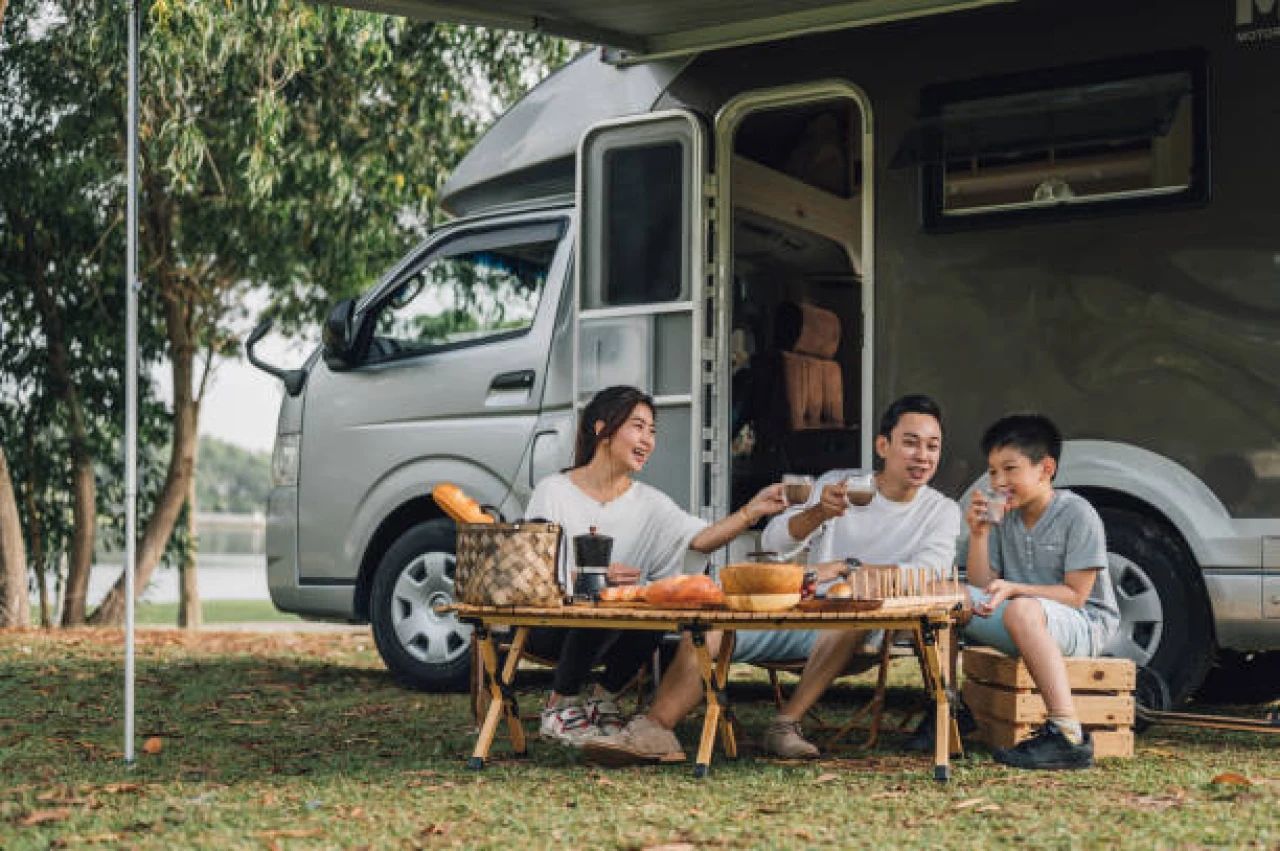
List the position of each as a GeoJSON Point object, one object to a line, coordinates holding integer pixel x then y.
{"type": "Point", "coordinates": [189, 614]}
{"type": "Point", "coordinates": [182, 457]}
{"type": "Point", "coordinates": [15, 602]}
{"type": "Point", "coordinates": [85, 511]}
{"type": "Point", "coordinates": [39, 564]}
{"type": "Point", "coordinates": [84, 507]}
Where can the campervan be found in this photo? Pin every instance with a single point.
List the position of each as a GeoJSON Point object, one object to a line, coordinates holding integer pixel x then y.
{"type": "Point", "coordinates": [775, 226]}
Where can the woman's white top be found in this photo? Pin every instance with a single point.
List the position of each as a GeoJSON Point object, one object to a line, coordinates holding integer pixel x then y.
{"type": "Point", "coordinates": [649, 530]}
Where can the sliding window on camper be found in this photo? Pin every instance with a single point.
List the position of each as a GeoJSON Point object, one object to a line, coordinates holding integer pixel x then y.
{"type": "Point", "coordinates": [1096, 138]}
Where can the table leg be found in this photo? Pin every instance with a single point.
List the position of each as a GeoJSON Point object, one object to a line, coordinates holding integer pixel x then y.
{"type": "Point", "coordinates": [728, 739]}
{"type": "Point", "coordinates": [501, 700]}
{"type": "Point", "coordinates": [934, 653]}
{"type": "Point", "coordinates": [714, 675]}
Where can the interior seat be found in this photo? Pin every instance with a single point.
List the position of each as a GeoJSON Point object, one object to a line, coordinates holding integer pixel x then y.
{"type": "Point", "coordinates": [797, 396]}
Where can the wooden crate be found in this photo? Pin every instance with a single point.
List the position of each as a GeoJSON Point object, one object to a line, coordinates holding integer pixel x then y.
{"type": "Point", "coordinates": [1004, 700]}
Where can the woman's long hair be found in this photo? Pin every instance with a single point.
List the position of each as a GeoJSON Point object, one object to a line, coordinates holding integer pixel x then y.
{"type": "Point", "coordinates": [611, 406]}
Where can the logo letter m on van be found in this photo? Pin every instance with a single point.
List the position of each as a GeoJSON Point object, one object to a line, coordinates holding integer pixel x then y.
{"type": "Point", "coordinates": [1248, 10]}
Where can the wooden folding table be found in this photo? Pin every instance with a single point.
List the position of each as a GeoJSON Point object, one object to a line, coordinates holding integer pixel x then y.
{"type": "Point", "coordinates": [930, 621]}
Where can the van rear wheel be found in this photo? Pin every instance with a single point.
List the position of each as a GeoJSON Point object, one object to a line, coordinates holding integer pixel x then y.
{"type": "Point", "coordinates": [423, 649]}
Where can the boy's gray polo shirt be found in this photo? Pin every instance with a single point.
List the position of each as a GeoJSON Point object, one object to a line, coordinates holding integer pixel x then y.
{"type": "Point", "coordinates": [1069, 536]}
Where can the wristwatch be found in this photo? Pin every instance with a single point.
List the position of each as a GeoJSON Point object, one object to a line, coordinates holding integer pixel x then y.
{"type": "Point", "coordinates": [850, 565]}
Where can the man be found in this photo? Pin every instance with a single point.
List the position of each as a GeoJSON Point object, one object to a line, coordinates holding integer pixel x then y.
{"type": "Point", "coordinates": [906, 524]}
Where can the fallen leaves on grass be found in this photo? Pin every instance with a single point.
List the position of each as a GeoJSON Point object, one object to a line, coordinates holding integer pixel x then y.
{"type": "Point", "coordinates": [291, 833]}
{"type": "Point", "coordinates": [39, 817]}
{"type": "Point", "coordinates": [153, 745]}
{"type": "Point", "coordinates": [1231, 778]}
{"type": "Point", "coordinates": [826, 778]}
{"type": "Point", "coordinates": [92, 839]}
{"type": "Point", "coordinates": [118, 788]}
{"type": "Point", "coordinates": [1158, 803]}
{"type": "Point", "coordinates": [439, 828]}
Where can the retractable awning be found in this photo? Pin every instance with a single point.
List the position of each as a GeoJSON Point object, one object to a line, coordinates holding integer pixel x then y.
{"type": "Point", "coordinates": [664, 28]}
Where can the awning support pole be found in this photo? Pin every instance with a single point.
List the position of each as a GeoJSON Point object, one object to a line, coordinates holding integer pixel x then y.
{"type": "Point", "coordinates": [131, 385]}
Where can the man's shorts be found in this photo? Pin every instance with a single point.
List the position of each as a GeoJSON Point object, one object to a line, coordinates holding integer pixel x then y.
{"type": "Point", "coordinates": [787, 645]}
{"type": "Point", "coordinates": [773, 645]}
{"type": "Point", "coordinates": [1069, 627]}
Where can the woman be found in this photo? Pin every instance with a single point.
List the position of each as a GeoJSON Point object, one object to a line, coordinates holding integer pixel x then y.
{"type": "Point", "coordinates": [651, 537]}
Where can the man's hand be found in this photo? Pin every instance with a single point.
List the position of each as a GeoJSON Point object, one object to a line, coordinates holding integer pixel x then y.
{"type": "Point", "coordinates": [833, 503]}
{"type": "Point", "coordinates": [622, 574]}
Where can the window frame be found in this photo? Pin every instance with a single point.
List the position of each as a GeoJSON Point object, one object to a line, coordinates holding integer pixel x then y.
{"type": "Point", "coordinates": [1193, 63]}
{"type": "Point", "coordinates": [452, 245]}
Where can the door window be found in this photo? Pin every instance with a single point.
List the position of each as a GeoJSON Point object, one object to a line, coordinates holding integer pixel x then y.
{"type": "Point", "coordinates": [474, 291]}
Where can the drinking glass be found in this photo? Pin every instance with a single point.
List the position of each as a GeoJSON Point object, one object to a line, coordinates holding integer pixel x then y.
{"type": "Point", "coordinates": [860, 489]}
{"type": "Point", "coordinates": [997, 504]}
{"type": "Point", "coordinates": [797, 488]}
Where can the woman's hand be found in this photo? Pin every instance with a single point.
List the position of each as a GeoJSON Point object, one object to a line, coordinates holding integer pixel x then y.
{"type": "Point", "coordinates": [622, 574]}
{"type": "Point", "coordinates": [979, 525]}
{"type": "Point", "coordinates": [767, 503]}
{"type": "Point", "coordinates": [998, 590]}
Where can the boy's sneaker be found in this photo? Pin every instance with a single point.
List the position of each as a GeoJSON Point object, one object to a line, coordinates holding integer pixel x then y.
{"type": "Point", "coordinates": [602, 713]}
{"type": "Point", "coordinates": [1048, 749]}
{"type": "Point", "coordinates": [641, 741]}
{"type": "Point", "coordinates": [566, 722]}
{"type": "Point", "coordinates": [922, 739]}
{"type": "Point", "coordinates": [782, 738]}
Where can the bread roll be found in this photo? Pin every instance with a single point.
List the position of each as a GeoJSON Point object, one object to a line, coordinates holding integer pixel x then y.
{"type": "Point", "coordinates": [684, 591]}
{"type": "Point", "coordinates": [840, 591]}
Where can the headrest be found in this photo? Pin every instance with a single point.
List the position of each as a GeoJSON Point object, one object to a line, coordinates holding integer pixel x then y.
{"type": "Point", "coordinates": [806, 330]}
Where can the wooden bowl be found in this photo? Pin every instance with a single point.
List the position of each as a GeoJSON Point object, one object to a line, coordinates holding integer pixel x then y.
{"type": "Point", "coordinates": [761, 602]}
{"type": "Point", "coordinates": [762, 578]}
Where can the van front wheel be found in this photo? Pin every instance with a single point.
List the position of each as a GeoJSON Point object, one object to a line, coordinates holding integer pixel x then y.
{"type": "Point", "coordinates": [422, 649]}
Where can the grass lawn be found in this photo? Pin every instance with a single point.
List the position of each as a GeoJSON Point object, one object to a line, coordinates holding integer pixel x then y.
{"type": "Point", "coordinates": [215, 612]}
{"type": "Point", "coordinates": [302, 741]}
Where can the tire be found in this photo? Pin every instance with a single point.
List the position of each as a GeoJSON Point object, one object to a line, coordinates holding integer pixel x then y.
{"type": "Point", "coordinates": [422, 649]}
{"type": "Point", "coordinates": [1165, 620]}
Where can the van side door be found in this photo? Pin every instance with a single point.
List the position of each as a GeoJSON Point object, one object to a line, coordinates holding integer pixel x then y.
{"type": "Point", "coordinates": [643, 316]}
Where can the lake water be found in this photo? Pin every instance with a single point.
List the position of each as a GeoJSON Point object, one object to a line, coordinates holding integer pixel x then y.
{"type": "Point", "coordinates": [219, 576]}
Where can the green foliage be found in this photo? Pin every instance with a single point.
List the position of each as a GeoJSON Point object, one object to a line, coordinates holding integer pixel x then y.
{"type": "Point", "coordinates": [231, 479]}
{"type": "Point", "coordinates": [282, 144]}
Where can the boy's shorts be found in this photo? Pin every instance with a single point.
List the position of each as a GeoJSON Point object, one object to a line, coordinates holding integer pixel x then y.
{"type": "Point", "coordinates": [1069, 627]}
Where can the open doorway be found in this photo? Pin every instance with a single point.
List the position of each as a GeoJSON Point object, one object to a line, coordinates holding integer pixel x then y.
{"type": "Point", "coordinates": [798, 319]}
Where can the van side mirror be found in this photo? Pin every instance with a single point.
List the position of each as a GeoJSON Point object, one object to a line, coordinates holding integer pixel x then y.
{"type": "Point", "coordinates": [339, 336]}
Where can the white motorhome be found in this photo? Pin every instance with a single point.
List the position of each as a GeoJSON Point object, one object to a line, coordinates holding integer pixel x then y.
{"type": "Point", "coordinates": [1065, 207]}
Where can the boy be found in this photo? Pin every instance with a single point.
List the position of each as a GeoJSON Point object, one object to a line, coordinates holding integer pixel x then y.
{"type": "Point", "coordinates": [1042, 570]}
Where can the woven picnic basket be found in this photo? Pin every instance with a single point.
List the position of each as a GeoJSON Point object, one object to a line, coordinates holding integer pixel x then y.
{"type": "Point", "coordinates": [509, 564]}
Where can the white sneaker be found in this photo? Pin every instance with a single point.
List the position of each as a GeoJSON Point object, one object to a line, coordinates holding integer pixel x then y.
{"type": "Point", "coordinates": [602, 713]}
{"type": "Point", "coordinates": [567, 723]}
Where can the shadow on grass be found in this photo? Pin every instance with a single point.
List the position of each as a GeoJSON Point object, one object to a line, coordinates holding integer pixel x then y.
{"type": "Point", "coordinates": [233, 718]}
